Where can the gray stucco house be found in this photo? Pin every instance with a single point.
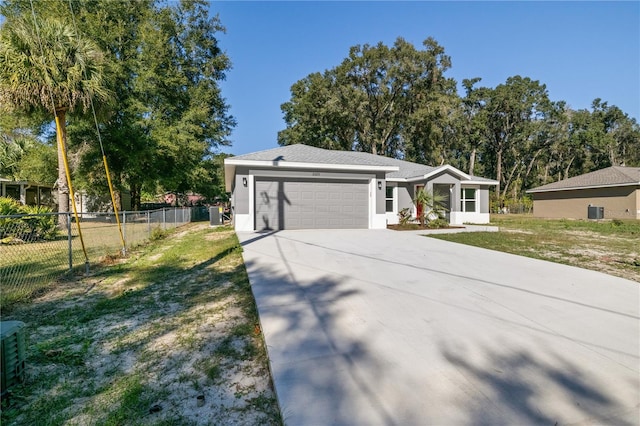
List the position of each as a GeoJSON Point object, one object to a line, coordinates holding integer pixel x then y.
{"type": "Point", "coordinates": [303, 187]}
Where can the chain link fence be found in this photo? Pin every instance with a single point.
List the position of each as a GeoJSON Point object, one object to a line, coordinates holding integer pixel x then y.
{"type": "Point", "coordinates": [34, 251]}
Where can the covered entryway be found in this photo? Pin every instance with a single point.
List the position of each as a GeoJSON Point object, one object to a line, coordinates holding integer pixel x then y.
{"type": "Point", "coordinates": [443, 191]}
{"type": "Point", "coordinates": [282, 203]}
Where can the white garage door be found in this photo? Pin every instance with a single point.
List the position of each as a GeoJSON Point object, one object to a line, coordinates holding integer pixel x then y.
{"type": "Point", "coordinates": [311, 204]}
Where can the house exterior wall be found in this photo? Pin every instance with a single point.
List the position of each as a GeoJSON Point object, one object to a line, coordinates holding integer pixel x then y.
{"type": "Point", "coordinates": [241, 201]}
{"type": "Point", "coordinates": [406, 192]}
{"type": "Point", "coordinates": [480, 215]}
{"type": "Point", "coordinates": [405, 196]}
{"type": "Point", "coordinates": [619, 203]}
{"type": "Point", "coordinates": [380, 193]}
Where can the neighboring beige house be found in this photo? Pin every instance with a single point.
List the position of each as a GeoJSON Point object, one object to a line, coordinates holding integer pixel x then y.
{"type": "Point", "coordinates": [611, 193]}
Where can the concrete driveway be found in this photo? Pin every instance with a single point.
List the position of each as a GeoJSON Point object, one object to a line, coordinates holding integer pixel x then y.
{"type": "Point", "coordinates": [383, 327]}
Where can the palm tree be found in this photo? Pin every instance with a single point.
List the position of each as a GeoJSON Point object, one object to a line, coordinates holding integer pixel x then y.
{"type": "Point", "coordinates": [49, 68]}
{"type": "Point", "coordinates": [431, 205]}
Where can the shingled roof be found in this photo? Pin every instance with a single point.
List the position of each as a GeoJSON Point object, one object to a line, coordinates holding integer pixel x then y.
{"type": "Point", "coordinates": [609, 177]}
{"type": "Point", "coordinates": [299, 153]}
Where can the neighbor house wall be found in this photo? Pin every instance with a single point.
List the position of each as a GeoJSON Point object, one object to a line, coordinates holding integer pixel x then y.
{"type": "Point", "coordinates": [618, 202]}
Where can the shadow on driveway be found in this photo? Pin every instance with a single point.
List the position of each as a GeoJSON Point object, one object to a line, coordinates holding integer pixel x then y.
{"type": "Point", "coordinates": [359, 337]}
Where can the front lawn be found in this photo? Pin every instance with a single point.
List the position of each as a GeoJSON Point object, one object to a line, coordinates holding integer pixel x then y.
{"type": "Point", "coordinates": [610, 246]}
{"type": "Point", "coordinates": [167, 336]}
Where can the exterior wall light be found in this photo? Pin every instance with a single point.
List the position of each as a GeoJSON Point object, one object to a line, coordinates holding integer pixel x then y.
{"type": "Point", "coordinates": [379, 184]}
{"type": "Point", "coordinates": [244, 181]}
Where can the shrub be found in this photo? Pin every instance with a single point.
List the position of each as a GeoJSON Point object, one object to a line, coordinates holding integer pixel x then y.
{"type": "Point", "coordinates": [9, 206]}
{"type": "Point", "coordinates": [34, 225]}
{"type": "Point", "coordinates": [404, 216]}
{"type": "Point", "coordinates": [437, 223]}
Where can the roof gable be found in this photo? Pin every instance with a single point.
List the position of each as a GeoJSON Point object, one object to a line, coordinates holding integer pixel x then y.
{"type": "Point", "coordinates": [611, 176]}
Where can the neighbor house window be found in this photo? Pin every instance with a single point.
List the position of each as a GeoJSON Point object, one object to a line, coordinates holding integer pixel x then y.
{"type": "Point", "coordinates": [468, 200]}
{"type": "Point", "coordinates": [389, 199]}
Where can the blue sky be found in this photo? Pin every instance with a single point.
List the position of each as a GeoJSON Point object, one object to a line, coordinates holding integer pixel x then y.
{"type": "Point", "coordinates": [580, 50]}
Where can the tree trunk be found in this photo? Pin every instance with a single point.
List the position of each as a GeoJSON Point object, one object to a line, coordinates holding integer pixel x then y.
{"type": "Point", "coordinates": [566, 170]}
{"type": "Point", "coordinates": [135, 196]}
{"type": "Point", "coordinates": [507, 183]}
{"type": "Point", "coordinates": [531, 163]}
{"type": "Point", "coordinates": [499, 170]}
{"type": "Point", "coordinates": [63, 186]}
{"type": "Point", "coordinates": [472, 160]}
{"type": "Point", "coordinates": [546, 173]}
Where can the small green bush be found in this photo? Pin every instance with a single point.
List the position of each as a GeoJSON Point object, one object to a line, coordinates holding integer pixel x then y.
{"type": "Point", "coordinates": [35, 225]}
{"type": "Point", "coordinates": [404, 216]}
{"type": "Point", "coordinates": [158, 234]}
{"type": "Point", "coordinates": [437, 223]}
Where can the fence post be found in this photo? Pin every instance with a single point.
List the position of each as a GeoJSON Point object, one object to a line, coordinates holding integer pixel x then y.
{"type": "Point", "coordinates": [69, 241]}
{"type": "Point", "coordinates": [164, 218]}
{"type": "Point", "coordinates": [148, 224]}
{"type": "Point", "coordinates": [124, 231]}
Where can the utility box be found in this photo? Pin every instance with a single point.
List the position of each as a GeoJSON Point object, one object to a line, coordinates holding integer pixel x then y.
{"type": "Point", "coordinates": [215, 216]}
{"type": "Point", "coordinates": [12, 354]}
{"type": "Point", "coordinates": [594, 212]}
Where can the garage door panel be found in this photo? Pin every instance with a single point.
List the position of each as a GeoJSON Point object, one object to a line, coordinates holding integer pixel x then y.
{"type": "Point", "coordinates": [310, 204]}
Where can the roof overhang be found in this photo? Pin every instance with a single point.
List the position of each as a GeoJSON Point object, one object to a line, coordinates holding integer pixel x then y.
{"type": "Point", "coordinates": [480, 182]}
{"type": "Point", "coordinates": [230, 165]}
{"type": "Point", "coordinates": [576, 188]}
{"type": "Point", "coordinates": [464, 178]}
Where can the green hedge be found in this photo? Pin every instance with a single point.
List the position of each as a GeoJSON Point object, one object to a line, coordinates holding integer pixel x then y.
{"type": "Point", "coordinates": [33, 226]}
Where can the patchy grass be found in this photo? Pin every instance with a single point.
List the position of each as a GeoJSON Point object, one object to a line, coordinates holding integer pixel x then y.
{"type": "Point", "coordinates": [606, 246]}
{"type": "Point", "coordinates": [148, 340]}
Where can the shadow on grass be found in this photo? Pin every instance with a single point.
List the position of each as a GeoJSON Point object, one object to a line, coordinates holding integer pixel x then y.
{"type": "Point", "coordinates": [81, 347]}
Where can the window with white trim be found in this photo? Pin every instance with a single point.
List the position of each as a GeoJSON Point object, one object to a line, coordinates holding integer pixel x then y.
{"type": "Point", "coordinates": [389, 199]}
{"type": "Point", "coordinates": [468, 199]}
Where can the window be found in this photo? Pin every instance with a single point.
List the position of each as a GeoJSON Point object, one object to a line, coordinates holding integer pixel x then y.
{"type": "Point", "coordinates": [389, 199]}
{"type": "Point", "coordinates": [468, 200]}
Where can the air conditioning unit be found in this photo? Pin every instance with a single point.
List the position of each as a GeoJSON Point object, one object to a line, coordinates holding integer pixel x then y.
{"type": "Point", "coordinates": [12, 354]}
{"type": "Point", "coordinates": [594, 212]}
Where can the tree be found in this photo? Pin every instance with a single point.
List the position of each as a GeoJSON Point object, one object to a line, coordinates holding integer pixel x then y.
{"type": "Point", "coordinates": [473, 128]}
{"type": "Point", "coordinates": [618, 135]}
{"type": "Point", "coordinates": [47, 66]}
{"type": "Point", "coordinates": [428, 205]}
{"type": "Point", "coordinates": [162, 63]}
{"type": "Point", "coordinates": [165, 65]}
{"type": "Point", "coordinates": [509, 115]}
{"type": "Point", "coordinates": [377, 100]}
